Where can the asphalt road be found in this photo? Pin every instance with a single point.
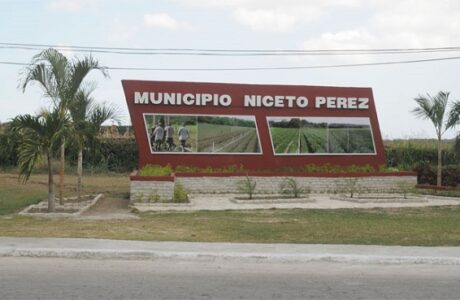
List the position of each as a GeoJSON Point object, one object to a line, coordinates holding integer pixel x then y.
{"type": "Point", "coordinates": [59, 278]}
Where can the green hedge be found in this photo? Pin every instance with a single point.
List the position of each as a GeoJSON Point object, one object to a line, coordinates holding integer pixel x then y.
{"type": "Point", "coordinates": [426, 174]}
{"type": "Point", "coordinates": [407, 157]}
{"type": "Point", "coordinates": [121, 155]}
{"type": "Point", "coordinates": [117, 155]}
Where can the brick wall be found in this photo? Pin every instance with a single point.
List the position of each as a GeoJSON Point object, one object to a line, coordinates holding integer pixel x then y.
{"type": "Point", "coordinates": [271, 185]}
{"type": "Point", "coordinates": [151, 191]}
{"type": "Point", "coordinates": [143, 191]}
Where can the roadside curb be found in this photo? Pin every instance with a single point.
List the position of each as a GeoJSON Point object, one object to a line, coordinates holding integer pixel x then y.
{"type": "Point", "coordinates": [260, 257]}
{"type": "Point", "coordinates": [288, 253]}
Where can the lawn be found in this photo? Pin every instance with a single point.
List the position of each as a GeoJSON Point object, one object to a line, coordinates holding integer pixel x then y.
{"type": "Point", "coordinates": [430, 226]}
{"type": "Point", "coordinates": [15, 195]}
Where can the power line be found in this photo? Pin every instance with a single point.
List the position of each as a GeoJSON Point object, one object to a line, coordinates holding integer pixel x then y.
{"type": "Point", "coordinates": [269, 68]}
{"type": "Point", "coordinates": [227, 52]}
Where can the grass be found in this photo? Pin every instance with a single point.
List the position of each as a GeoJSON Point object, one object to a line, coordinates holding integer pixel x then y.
{"type": "Point", "coordinates": [428, 226]}
{"type": "Point", "coordinates": [14, 195]}
{"type": "Point", "coordinates": [415, 226]}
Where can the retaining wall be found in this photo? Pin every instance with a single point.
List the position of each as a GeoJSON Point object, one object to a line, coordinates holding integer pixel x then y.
{"type": "Point", "coordinates": [146, 189]}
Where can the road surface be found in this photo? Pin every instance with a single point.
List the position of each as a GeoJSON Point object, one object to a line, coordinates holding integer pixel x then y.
{"type": "Point", "coordinates": [216, 278]}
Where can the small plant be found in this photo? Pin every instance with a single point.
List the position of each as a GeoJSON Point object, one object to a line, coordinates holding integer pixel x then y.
{"type": "Point", "coordinates": [405, 187]}
{"type": "Point", "coordinates": [139, 197]}
{"type": "Point", "coordinates": [180, 194]}
{"type": "Point", "coordinates": [247, 186]}
{"type": "Point", "coordinates": [290, 186]}
{"type": "Point", "coordinates": [349, 186]}
{"type": "Point", "coordinates": [154, 197]}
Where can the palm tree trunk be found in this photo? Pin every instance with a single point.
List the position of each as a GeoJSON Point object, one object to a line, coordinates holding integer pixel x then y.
{"type": "Point", "coordinates": [439, 168]}
{"type": "Point", "coordinates": [61, 172]}
{"type": "Point", "coordinates": [79, 171]}
{"type": "Point", "coordinates": [51, 206]}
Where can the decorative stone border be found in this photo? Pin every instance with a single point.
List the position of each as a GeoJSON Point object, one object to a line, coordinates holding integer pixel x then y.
{"type": "Point", "coordinates": [383, 198]}
{"type": "Point", "coordinates": [163, 204]}
{"type": "Point", "coordinates": [44, 204]}
{"type": "Point", "coordinates": [274, 201]}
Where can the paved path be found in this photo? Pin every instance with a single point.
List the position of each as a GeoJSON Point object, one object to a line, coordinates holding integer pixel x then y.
{"type": "Point", "coordinates": [98, 248]}
{"type": "Point", "coordinates": [315, 201]}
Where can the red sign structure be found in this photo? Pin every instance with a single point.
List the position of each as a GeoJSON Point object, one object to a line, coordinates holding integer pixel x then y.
{"type": "Point", "coordinates": [258, 126]}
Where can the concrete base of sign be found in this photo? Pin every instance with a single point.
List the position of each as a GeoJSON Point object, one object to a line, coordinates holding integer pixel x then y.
{"type": "Point", "coordinates": [161, 189]}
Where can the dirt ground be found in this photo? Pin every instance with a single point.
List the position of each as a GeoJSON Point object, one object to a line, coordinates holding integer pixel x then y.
{"type": "Point", "coordinates": [109, 208]}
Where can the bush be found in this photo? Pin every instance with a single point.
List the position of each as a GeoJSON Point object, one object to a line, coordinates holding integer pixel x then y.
{"type": "Point", "coordinates": [349, 186]}
{"type": "Point", "coordinates": [155, 170]}
{"type": "Point", "coordinates": [405, 155]}
{"type": "Point", "coordinates": [426, 174]}
{"type": "Point", "coordinates": [290, 186]}
{"type": "Point", "coordinates": [180, 194]}
{"type": "Point", "coordinates": [247, 186]}
{"type": "Point", "coordinates": [328, 168]}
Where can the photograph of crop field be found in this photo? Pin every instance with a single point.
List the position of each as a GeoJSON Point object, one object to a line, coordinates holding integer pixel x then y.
{"type": "Point", "coordinates": [285, 134]}
{"type": "Point", "coordinates": [176, 122]}
{"type": "Point", "coordinates": [321, 135]}
{"type": "Point", "coordinates": [227, 134]}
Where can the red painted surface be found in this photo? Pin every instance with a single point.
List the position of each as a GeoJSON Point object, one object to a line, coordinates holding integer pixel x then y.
{"type": "Point", "coordinates": [266, 160]}
{"type": "Point", "coordinates": [274, 174]}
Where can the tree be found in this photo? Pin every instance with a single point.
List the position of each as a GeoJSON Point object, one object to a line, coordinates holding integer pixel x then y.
{"type": "Point", "coordinates": [60, 79]}
{"type": "Point", "coordinates": [87, 118]}
{"type": "Point", "coordinates": [39, 134]}
{"type": "Point", "coordinates": [435, 109]}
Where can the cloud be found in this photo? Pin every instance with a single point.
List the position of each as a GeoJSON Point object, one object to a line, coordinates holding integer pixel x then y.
{"type": "Point", "coordinates": [265, 20]}
{"type": "Point", "coordinates": [274, 15]}
{"type": "Point", "coordinates": [394, 24]}
{"type": "Point", "coordinates": [165, 21]}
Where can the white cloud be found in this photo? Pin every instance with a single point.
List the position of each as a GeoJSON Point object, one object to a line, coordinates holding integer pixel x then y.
{"type": "Point", "coordinates": [165, 21]}
{"type": "Point", "coordinates": [394, 24]}
{"type": "Point", "coordinates": [274, 15]}
{"type": "Point", "coordinates": [265, 20]}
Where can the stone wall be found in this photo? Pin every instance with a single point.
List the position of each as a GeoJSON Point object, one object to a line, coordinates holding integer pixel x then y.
{"type": "Point", "coordinates": [271, 184]}
{"type": "Point", "coordinates": [151, 191]}
{"type": "Point", "coordinates": [146, 191]}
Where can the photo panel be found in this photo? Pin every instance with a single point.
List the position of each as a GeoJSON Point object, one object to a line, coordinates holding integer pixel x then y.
{"type": "Point", "coordinates": [202, 134]}
{"type": "Point", "coordinates": [321, 135]}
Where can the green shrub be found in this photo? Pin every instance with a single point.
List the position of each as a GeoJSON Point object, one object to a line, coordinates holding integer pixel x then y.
{"type": "Point", "coordinates": [405, 187]}
{"type": "Point", "coordinates": [328, 168]}
{"type": "Point", "coordinates": [155, 170]}
{"type": "Point", "coordinates": [426, 174]}
{"type": "Point", "coordinates": [154, 197]}
{"type": "Point", "coordinates": [349, 186]}
{"type": "Point", "coordinates": [227, 169]}
{"type": "Point", "coordinates": [290, 186]}
{"type": "Point", "coordinates": [247, 186]}
{"type": "Point", "coordinates": [180, 194]}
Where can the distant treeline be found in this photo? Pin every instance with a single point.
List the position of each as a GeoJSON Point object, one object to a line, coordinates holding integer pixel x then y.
{"type": "Point", "coordinates": [120, 155]}
{"type": "Point", "coordinates": [226, 121]}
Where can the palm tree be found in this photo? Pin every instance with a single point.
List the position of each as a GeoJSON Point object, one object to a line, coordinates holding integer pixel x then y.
{"type": "Point", "coordinates": [39, 134]}
{"type": "Point", "coordinates": [455, 116]}
{"type": "Point", "coordinates": [87, 119]}
{"type": "Point", "coordinates": [60, 79]}
{"type": "Point", "coordinates": [435, 109]}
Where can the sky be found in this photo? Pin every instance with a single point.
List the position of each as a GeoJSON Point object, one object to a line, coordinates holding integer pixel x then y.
{"type": "Point", "coordinates": [242, 25]}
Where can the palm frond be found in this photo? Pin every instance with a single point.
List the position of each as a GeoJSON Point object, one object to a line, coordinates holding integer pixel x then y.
{"type": "Point", "coordinates": [454, 115]}
{"type": "Point", "coordinates": [58, 64]}
{"type": "Point", "coordinates": [434, 109]}
{"type": "Point", "coordinates": [30, 151]}
{"type": "Point", "coordinates": [80, 69]}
